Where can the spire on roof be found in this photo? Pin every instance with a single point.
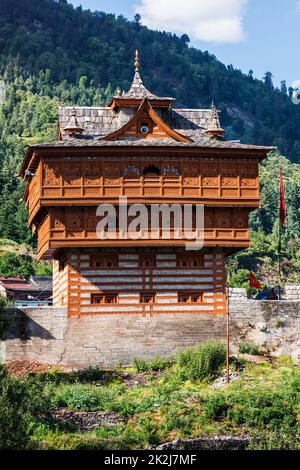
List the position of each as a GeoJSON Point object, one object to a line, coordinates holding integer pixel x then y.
{"type": "Point", "coordinates": [73, 126]}
{"type": "Point", "coordinates": [138, 89]}
{"type": "Point", "coordinates": [137, 61]}
{"type": "Point", "coordinates": [214, 129]}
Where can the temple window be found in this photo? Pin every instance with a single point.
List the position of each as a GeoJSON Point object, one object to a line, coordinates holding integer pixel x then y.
{"type": "Point", "coordinates": [151, 170]}
{"type": "Point", "coordinates": [192, 261]}
{"type": "Point", "coordinates": [171, 170]}
{"type": "Point", "coordinates": [105, 261]}
{"type": "Point", "coordinates": [191, 298]}
{"type": "Point", "coordinates": [148, 298]}
{"type": "Point", "coordinates": [104, 299]}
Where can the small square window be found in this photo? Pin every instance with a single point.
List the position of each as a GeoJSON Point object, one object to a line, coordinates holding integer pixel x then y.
{"type": "Point", "coordinates": [193, 298]}
{"type": "Point", "coordinates": [192, 261]}
{"type": "Point", "coordinates": [184, 298]}
{"type": "Point", "coordinates": [105, 261]}
{"type": "Point", "coordinates": [147, 298]}
{"type": "Point", "coordinates": [97, 299]}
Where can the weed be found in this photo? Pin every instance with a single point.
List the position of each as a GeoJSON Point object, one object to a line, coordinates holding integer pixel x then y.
{"type": "Point", "coordinates": [249, 348]}
{"type": "Point", "coordinates": [202, 362]}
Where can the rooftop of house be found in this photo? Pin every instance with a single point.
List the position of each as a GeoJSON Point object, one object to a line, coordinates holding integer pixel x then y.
{"type": "Point", "coordinates": [34, 284]}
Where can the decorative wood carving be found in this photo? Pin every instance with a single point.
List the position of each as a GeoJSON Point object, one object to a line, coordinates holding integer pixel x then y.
{"type": "Point", "coordinates": [132, 171]}
{"type": "Point", "coordinates": [52, 176]}
{"type": "Point", "coordinates": [171, 170]}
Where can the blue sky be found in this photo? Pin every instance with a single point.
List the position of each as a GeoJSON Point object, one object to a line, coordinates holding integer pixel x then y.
{"type": "Point", "coordinates": [259, 34]}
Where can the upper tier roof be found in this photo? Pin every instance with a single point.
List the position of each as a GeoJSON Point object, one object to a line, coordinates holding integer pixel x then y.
{"type": "Point", "coordinates": [100, 121]}
{"type": "Point", "coordinates": [114, 125]}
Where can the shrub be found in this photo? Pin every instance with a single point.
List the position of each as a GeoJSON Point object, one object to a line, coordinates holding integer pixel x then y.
{"type": "Point", "coordinates": [256, 408]}
{"type": "Point", "coordinates": [86, 398]}
{"type": "Point", "coordinates": [285, 438]}
{"type": "Point", "coordinates": [202, 362]}
{"type": "Point", "coordinates": [248, 348]}
{"type": "Point", "coordinates": [14, 416]}
{"type": "Point", "coordinates": [154, 365]}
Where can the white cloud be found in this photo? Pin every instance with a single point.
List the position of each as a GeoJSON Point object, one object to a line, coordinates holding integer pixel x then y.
{"type": "Point", "coordinates": [205, 20]}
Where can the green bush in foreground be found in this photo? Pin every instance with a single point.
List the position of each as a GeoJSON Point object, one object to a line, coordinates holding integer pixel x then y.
{"type": "Point", "coordinates": [17, 400]}
{"type": "Point", "coordinates": [284, 438]}
{"type": "Point", "coordinates": [202, 362]}
{"type": "Point", "coordinates": [79, 397]}
{"type": "Point", "coordinates": [13, 416]}
{"type": "Point", "coordinates": [154, 365]}
{"type": "Point", "coordinates": [260, 409]}
{"type": "Point", "coordinates": [249, 348]}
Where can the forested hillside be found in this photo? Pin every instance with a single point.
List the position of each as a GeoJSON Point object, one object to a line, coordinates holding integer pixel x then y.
{"type": "Point", "coordinates": [51, 52]}
{"type": "Point", "coordinates": [71, 43]}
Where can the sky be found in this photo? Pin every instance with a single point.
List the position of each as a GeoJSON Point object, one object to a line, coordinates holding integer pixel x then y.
{"type": "Point", "coordinates": [261, 35]}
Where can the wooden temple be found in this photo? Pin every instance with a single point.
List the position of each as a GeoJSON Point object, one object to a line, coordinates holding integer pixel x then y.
{"type": "Point", "coordinates": [141, 147]}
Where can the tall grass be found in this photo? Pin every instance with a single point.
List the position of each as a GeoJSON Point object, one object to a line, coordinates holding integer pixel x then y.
{"type": "Point", "coordinates": [202, 362]}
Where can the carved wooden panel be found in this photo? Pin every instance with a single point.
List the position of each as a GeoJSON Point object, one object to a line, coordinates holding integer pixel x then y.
{"type": "Point", "coordinates": [223, 218]}
{"type": "Point", "coordinates": [112, 169]}
{"type": "Point", "coordinates": [72, 172]}
{"type": "Point", "coordinates": [210, 174]}
{"type": "Point", "coordinates": [171, 170]}
{"type": "Point", "coordinates": [58, 219]}
{"type": "Point", "coordinates": [209, 218]}
{"type": "Point", "coordinates": [92, 171]}
{"type": "Point", "coordinates": [52, 175]}
{"type": "Point", "coordinates": [190, 168]}
{"type": "Point", "coordinates": [74, 219]}
{"type": "Point", "coordinates": [249, 174]}
{"type": "Point", "coordinates": [229, 174]}
{"type": "Point", "coordinates": [240, 218]}
{"type": "Point", "coordinates": [132, 171]}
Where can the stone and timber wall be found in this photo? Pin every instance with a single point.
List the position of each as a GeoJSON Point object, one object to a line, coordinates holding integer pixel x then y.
{"type": "Point", "coordinates": [48, 335]}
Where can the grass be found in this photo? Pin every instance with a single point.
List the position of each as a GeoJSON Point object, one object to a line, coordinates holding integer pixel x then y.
{"type": "Point", "coordinates": [173, 403]}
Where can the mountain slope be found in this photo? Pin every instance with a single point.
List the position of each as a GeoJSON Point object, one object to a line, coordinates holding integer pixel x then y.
{"type": "Point", "coordinates": [71, 43]}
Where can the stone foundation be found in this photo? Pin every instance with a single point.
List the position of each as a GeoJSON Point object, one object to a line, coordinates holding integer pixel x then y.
{"type": "Point", "coordinates": [47, 335]}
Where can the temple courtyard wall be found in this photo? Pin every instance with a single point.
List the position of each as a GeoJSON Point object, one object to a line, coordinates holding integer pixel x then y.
{"type": "Point", "coordinates": [48, 335]}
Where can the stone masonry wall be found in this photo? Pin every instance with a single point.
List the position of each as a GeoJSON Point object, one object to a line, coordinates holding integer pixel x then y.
{"type": "Point", "coordinates": [292, 292]}
{"type": "Point", "coordinates": [47, 335]}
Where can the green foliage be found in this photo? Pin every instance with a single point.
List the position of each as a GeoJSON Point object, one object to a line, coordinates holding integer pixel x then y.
{"type": "Point", "coordinates": [263, 404]}
{"type": "Point", "coordinates": [202, 362]}
{"type": "Point", "coordinates": [154, 365]}
{"type": "Point", "coordinates": [14, 413]}
{"type": "Point", "coordinates": [4, 302]}
{"type": "Point", "coordinates": [254, 408]}
{"type": "Point", "coordinates": [249, 348]}
{"type": "Point", "coordinates": [262, 257]}
{"type": "Point", "coordinates": [18, 400]}
{"type": "Point", "coordinates": [79, 397]}
{"type": "Point", "coordinates": [284, 438]}
{"type": "Point", "coordinates": [14, 265]}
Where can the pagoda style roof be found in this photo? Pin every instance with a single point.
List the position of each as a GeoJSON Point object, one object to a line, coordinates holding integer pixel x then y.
{"type": "Point", "coordinates": [101, 121]}
{"type": "Point", "coordinates": [123, 122]}
{"type": "Point", "coordinates": [107, 122]}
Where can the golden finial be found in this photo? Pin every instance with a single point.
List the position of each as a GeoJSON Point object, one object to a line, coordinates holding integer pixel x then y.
{"type": "Point", "coordinates": [137, 61]}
